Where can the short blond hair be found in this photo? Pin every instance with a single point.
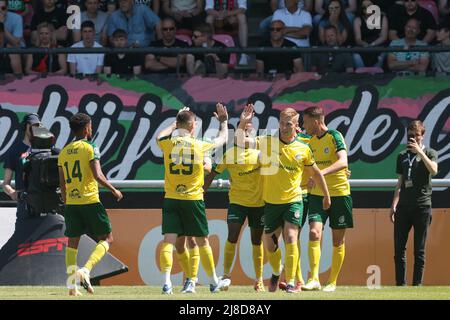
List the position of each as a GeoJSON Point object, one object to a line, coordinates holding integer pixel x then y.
{"type": "Point", "coordinates": [289, 112]}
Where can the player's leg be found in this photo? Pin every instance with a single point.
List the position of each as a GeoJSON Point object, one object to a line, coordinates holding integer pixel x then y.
{"type": "Point", "coordinates": [194, 258]}
{"type": "Point", "coordinates": [421, 221]}
{"type": "Point", "coordinates": [171, 228]}
{"type": "Point", "coordinates": [97, 219]}
{"type": "Point", "coordinates": [317, 218]}
{"type": "Point", "coordinates": [292, 217]}
{"type": "Point", "coordinates": [196, 225]}
{"type": "Point", "coordinates": [71, 265]}
{"type": "Point", "coordinates": [402, 226]}
{"type": "Point", "coordinates": [341, 218]}
{"type": "Point", "coordinates": [234, 229]}
{"type": "Point", "coordinates": [290, 232]}
{"type": "Point", "coordinates": [74, 229]}
{"type": "Point", "coordinates": [273, 252]}
{"type": "Point", "coordinates": [256, 224]}
{"type": "Point", "coordinates": [273, 222]}
{"type": "Point", "coordinates": [337, 259]}
{"type": "Point", "coordinates": [235, 219]}
{"type": "Point", "coordinates": [182, 254]}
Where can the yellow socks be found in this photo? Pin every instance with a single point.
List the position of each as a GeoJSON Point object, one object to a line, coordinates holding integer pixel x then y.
{"type": "Point", "coordinates": [314, 259]}
{"type": "Point", "coordinates": [298, 273]}
{"type": "Point", "coordinates": [229, 253]}
{"type": "Point", "coordinates": [100, 250]}
{"type": "Point", "coordinates": [183, 260]}
{"type": "Point", "coordinates": [194, 261]}
{"type": "Point", "coordinates": [275, 261]}
{"type": "Point", "coordinates": [336, 263]}
{"type": "Point", "coordinates": [258, 260]}
{"type": "Point", "coordinates": [71, 266]}
{"type": "Point", "coordinates": [291, 262]}
{"type": "Point", "coordinates": [207, 259]}
{"type": "Point", "coordinates": [166, 261]}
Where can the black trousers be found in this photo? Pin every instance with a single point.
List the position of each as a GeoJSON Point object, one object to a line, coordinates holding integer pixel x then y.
{"type": "Point", "coordinates": [420, 219]}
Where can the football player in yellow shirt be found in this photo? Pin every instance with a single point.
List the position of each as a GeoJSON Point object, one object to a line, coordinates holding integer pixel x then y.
{"type": "Point", "coordinates": [330, 152]}
{"type": "Point", "coordinates": [246, 202]}
{"type": "Point", "coordinates": [79, 172]}
{"type": "Point", "coordinates": [183, 208]}
{"type": "Point", "coordinates": [284, 159]}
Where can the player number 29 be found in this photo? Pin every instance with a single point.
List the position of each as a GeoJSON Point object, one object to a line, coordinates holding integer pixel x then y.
{"type": "Point", "coordinates": [186, 161]}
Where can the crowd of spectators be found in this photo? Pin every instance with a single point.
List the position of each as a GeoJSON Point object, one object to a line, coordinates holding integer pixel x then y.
{"type": "Point", "coordinates": [184, 23]}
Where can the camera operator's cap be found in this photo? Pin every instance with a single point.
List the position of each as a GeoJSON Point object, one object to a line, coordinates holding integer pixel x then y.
{"type": "Point", "coordinates": [32, 119]}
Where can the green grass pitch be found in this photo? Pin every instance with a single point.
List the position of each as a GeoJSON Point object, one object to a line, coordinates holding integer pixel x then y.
{"type": "Point", "coordinates": [234, 293]}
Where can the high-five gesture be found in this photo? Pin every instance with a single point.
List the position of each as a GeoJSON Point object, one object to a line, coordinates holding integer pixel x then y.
{"type": "Point", "coordinates": [221, 113]}
{"type": "Point", "coordinates": [246, 115]}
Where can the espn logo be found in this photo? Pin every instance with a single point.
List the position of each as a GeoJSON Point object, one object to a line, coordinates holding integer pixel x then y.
{"type": "Point", "coordinates": [41, 246]}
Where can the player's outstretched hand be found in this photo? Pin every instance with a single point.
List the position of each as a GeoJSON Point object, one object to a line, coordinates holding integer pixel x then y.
{"type": "Point", "coordinates": [247, 114]}
{"type": "Point", "coordinates": [117, 194]}
{"type": "Point", "coordinates": [221, 113]}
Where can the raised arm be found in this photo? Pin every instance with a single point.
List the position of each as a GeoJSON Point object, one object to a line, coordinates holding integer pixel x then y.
{"type": "Point", "coordinates": [246, 117]}
{"type": "Point", "coordinates": [221, 114]}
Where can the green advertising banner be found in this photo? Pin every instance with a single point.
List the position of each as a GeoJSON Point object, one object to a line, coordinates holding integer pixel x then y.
{"type": "Point", "coordinates": [372, 112]}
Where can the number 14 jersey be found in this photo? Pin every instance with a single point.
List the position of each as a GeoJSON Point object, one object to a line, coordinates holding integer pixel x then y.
{"type": "Point", "coordinates": [74, 159]}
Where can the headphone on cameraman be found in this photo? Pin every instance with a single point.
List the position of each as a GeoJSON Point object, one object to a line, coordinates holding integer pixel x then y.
{"type": "Point", "coordinates": [23, 124]}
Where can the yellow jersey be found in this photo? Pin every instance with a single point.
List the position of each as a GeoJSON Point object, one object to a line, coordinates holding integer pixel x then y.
{"type": "Point", "coordinates": [74, 159]}
{"type": "Point", "coordinates": [245, 180]}
{"type": "Point", "coordinates": [304, 184]}
{"type": "Point", "coordinates": [282, 167]}
{"type": "Point", "coordinates": [325, 150]}
{"type": "Point", "coordinates": [183, 164]}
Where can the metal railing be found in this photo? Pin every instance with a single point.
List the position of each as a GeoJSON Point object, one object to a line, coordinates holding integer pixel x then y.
{"type": "Point", "coordinates": [250, 50]}
{"type": "Point", "coordinates": [225, 184]}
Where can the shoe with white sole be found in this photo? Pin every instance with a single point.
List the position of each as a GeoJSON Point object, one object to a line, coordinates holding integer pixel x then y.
{"type": "Point", "coordinates": [83, 275]}
{"type": "Point", "coordinates": [312, 285]}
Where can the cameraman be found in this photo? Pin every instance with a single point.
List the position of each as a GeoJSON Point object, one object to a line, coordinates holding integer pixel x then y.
{"type": "Point", "coordinates": [14, 162]}
{"type": "Point", "coordinates": [411, 205]}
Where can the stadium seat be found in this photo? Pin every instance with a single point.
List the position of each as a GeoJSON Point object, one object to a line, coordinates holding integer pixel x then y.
{"type": "Point", "coordinates": [229, 42]}
{"type": "Point", "coordinates": [184, 38]}
{"type": "Point", "coordinates": [371, 70]}
{"type": "Point", "coordinates": [431, 6]}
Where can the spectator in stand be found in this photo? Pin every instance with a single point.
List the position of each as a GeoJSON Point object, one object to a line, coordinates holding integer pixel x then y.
{"type": "Point", "coordinates": [40, 62]}
{"type": "Point", "coordinates": [51, 14]}
{"type": "Point", "coordinates": [86, 63]}
{"type": "Point", "coordinates": [140, 22]}
{"type": "Point", "coordinates": [24, 8]}
{"type": "Point", "coordinates": [441, 60]}
{"type": "Point", "coordinates": [409, 61]}
{"type": "Point", "coordinates": [231, 12]}
{"type": "Point", "coordinates": [383, 4]}
{"type": "Point", "coordinates": [168, 62]}
{"type": "Point", "coordinates": [444, 8]}
{"type": "Point", "coordinates": [335, 16]}
{"type": "Point", "coordinates": [298, 23]}
{"type": "Point", "coordinates": [154, 5]}
{"type": "Point", "coordinates": [122, 63]}
{"type": "Point", "coordinates": [186, 13]}
{"type": "Point", "coordinates": [12, 34]}
{"type": "Point", "coordinates": [400, 14]}
{"type": "Point", "coordinates": [332, 62]}
{"type": "Point", "coordinates": [279, 63]}
{"type": "Point", "coordinates": [306, 5]}
{"type": "Point", "coordinates": [5, 62]}
{"type": "Point", "coordinates": [98, 17]}
{"type": "Point", "coordinates": [321, 6]}
{"type": "Point", "coordinates": [365, 37]}
{"type": "Point", "coordinates": [209, 63]}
